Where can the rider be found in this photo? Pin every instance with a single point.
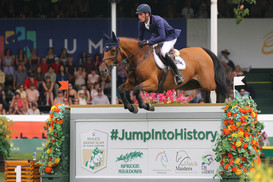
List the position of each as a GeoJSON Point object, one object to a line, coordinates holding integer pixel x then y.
{"type": "Point", "coordinates": [161, 32]}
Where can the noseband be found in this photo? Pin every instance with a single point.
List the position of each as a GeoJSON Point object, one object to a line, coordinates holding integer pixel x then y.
{"type": "Point", "coordinates": [110, 67]}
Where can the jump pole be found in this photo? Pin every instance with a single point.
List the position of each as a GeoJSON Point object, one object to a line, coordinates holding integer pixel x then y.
{"type": "Point", "coordinates": [114, 70]}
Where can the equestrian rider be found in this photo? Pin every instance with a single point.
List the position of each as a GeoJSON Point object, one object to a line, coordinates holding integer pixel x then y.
{"type": "Point", "coordinates": [161, 32]}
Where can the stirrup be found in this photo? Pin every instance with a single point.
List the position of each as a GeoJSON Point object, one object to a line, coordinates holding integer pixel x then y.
{"type": "Point", "coordinates": [175, 80]}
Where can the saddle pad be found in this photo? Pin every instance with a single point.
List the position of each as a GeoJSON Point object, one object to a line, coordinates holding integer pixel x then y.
{"type": "Point", "coordinates": [180, 63]}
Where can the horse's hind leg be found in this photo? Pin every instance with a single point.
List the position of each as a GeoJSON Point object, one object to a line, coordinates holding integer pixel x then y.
{"type": "Point", "coordinates": [127, 105]}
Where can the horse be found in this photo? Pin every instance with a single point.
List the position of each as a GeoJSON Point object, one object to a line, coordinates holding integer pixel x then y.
{"type": "Point", "coordinates": [203, 70]}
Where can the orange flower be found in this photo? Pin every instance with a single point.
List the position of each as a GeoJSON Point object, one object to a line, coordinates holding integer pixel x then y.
{"type": "Point", "coordinates": [234, 115]}
{"type": "Point", "coordinates": [233, 127]}
{"type": "Point", "coordinates": [226, 131]}
{"type": "Point", "coordinates": [57, 109]}
{"type": "Point", "coordinates": [48, 170]}
{"type": "Point", "coordinates": [230, 155]}
{"type": "Point", "coordinates": [226, 108]}
{"type": "Point", "coordinates": [241, 110]}
{"type": "Point", "coordinates": [56, 105]}
{"type": "Point", "coordinates": [230, 121]}
{"type": "Point", "coordinates": [245, 170]}
{"type": "Point", "coordinates": [226, 167]}
{"type": "Point", "coordinates": [234, 169]}
{"type": "Point", "coordinates": [231, 161]}
{"type": "Point", "coordinates": [51, 115]}
{"type": "Point", "coordinates": [241, 165]}
{"type": "Point", "coordinates": [226, 122]}
{"type": "Point", "coordinates": [258, 160]}
{"type": "Point", "coordinates": [252, 169]}
{"type": "Point", "coordinates": [245, 145]}
{"type": "Point", "coordinates": [60, 122]}
{"type": "Point", "coordinates": [242, 118]}
{"type": "Point", "coordinates": [229, 114]}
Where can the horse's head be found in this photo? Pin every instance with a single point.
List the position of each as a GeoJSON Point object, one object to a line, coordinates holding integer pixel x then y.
{"type": "Point", "coordinates": [112, 54]}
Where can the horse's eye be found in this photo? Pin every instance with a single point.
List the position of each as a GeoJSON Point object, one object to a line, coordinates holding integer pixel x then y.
{"type": "Point", "coordinates": [113, 51]}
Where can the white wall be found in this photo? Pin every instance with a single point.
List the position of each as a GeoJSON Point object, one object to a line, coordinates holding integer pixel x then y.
{"type": "Point", "coordinates": [245, 41]}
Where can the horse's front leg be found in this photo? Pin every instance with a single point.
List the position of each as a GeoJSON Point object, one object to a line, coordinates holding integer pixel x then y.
{"type": "Point", "coordinates": [132, 108]}
{"type": "Point", "coordinates": [147, 85]}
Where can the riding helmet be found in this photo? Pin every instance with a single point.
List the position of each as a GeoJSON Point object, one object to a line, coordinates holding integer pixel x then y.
{"type": "Point", "coordinates": [143, 8]}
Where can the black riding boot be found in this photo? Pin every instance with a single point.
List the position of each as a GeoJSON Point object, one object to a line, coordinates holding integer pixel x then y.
{"type": "Point", "coordinates": [178, 78]}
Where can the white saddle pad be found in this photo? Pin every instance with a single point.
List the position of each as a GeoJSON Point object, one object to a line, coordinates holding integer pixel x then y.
{"type": "Point", "coordinates": [180, 63]}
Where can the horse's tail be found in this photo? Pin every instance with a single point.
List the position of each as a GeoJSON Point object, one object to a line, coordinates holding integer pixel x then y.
{"type": "Point", "coordinates": [221, 79]}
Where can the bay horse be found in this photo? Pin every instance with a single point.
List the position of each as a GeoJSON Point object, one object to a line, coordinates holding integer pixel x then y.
{"type": "Point", "coordinates": [203, 70]}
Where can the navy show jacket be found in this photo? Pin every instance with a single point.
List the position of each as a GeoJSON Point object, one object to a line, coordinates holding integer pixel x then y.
{"type": "Point", "coordinates": [159, 28]}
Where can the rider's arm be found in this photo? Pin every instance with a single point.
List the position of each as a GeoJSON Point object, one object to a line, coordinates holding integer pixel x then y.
{"type": "Point", "coordinates": [141, 30]}
{"type": "Point", "coordinates": [161, 33]}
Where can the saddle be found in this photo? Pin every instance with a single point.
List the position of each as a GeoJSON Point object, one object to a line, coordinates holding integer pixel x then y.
{"type": "Point", "coordinates": [173, 52]}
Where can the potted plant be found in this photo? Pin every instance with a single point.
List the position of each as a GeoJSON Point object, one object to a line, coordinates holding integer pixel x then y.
{"type": "Point", "coordinates": [237, 147]}
{"type": "Point", "coordinates": [5, 137]}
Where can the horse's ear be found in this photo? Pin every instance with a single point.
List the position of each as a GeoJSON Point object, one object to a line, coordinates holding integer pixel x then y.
{"type": "Point", "coordinates": [106, 37]}
{"type": "Point", "coordinates": [114, 37]}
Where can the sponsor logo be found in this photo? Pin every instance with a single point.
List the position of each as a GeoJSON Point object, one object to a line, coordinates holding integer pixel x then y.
{"type": "Point", "coordinates": [184, 161]}
{"type": "Point", "coordinates": [206, 162]}
{"type": "Point", "coordinates": [267, 45]}
{"type": "Point", "coordinates": [93, 150]}
{"type": "Point", "coordinates": [128, 157]}
{"type": "Point", "coordinates": [162, 157]}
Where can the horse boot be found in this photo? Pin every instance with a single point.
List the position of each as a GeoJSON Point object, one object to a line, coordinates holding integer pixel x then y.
{"type": "Point", "coordinates": [178, 78]}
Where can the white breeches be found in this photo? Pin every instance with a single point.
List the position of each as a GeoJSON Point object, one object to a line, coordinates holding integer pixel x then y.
{"type": "Point", "coordinates": [167, 46]}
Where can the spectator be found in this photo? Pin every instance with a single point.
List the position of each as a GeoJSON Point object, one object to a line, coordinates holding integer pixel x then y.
{"type": "Point", "coordinates": [94, 91]}
{"type": "Point", "coordinates": [51, 74]}
{"type": "Point", "coordinates": [76, 101]}
{"type": "Point", "coordinates": [44, 66]}
{"type": "Point", "coordinates": [2, 96]}
{"type": "Point", "coordinates": [8, 64]}
{"type": "Point", "coordinates": [242, 93]}
{"type": "Point", "coordinates": [59, 98]}
{"type": "Point", "coordinates": [203, 13]}
{"type": "Point", "coordinates": [48, 87]}
{"type": "Point", "coordinates": [50, 56]}
{"type": "Point", "coordinates": [21, 90]}
{"type": "Point", "coordinates": [72, 94]}
{"type": "Point", "coordinates": [19, 77]}
{"type": "Point", "coordinates": [39, 76]}
{"type": "Point", "coordinates": [238, 71]}
{"type": "Point", "coordinates": [191, 94]}
{"type": "Point", "coordinates": [56, 65]}
{"type": "Point", "coordinates": [70, 69]}
{"type": "Point", "coordinates": [106, 85]}
{"type": "Point", "coordinates": [229, 65]}
{"type": "Point", "coordinates": [86, 93]}
{"type": "Point", "coordinates": [17, 105]}
{"type": "Point", "coordinates": [100, 98]}
{"type": "Point", "coordinates": [93, 78]}
{"type": "Point", "coordinates": [80, 76]}
{"type": "Point", "coordinates": [121, 75]}
{"type": "Point", "coordinates": [15, 109]}
{"type": "Point", "coordinates": [30, 80]}
{"type": "Point", "coordinates": [34, 60]}
{"type": "Point", "coordinates": [32, 95]}
{"type": "Point", "coordinates": [62, 75]}
{"type": "Point", "coordinates": [33, 110]}
{"type": "Point", "coordinates": [187, 12]}
{"type": "Point", "coordinates": [2, 109]}
{"type": "Point", "coordinates": [96, 62]}
{"type": "Point", "coordinates": [64, 57]}
{"type": "Point", "coordinates": [2, 76]}
{"type": "Point", "coordinates": [82, 98]}
{"type": "Point", "coordinates": [21, 59]}
{"type": "Point", "coordinates": [83, 58]}
{"type": "Point", "coordinates": [88, 65]}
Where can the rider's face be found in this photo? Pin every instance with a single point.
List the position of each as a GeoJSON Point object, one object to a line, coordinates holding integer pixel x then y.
{"type": "Point", "coordinates": [141, 17]}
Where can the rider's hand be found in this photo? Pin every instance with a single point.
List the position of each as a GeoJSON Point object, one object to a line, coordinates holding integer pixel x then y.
{"type": "Point", "coordinates": [143, 43]}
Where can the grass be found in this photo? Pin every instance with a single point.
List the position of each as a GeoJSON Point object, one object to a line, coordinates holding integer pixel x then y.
{"type": "Point", "coordinates": [20, 156]}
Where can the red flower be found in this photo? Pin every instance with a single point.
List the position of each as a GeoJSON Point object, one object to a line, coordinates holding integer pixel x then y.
{"type": "Point", "coordinates": [51, 115]}
{"type": "Point", "coordinates": [241, 110]}
{"type": "Point", "coordinates": [57, 109]}
{"type": "Point", "coordinates": [233, 146]}
{"type": "Point", "coordinates": [226, 108]}
{"type": "Point", "coordinates": [229, 114]}
{"type": "Point", "coordinates": [230, 121]}
{"type": "Point", "coordinates": [48, 169]}
{"type": "Point", "coordinates": [233, 127]}
{"type": "Point", "coordinates": [226, 167]}
{"type": "Point", "coordinates": [234, 169]}
{"type": "Point", "coordinates": [245, 170]}
{"type": "Point", "coordinates": [242, 118]}
{"type": "Point", "coordinates": [230, 155]}
{"type": "Point", "coordinates": [225, 122]}
{"type": "Point", "coordinates": [226, 131]}
{"type": "Point", "coordinates": [241, 165]}
{"type": "Point", "coordinates": [234, 115]}
{"type": "Point", "coordinates": [244, 159]}
{"type": "Point", "coordinates": [231, 161]}
{"type": "Point", "coordinates": [222, 162]}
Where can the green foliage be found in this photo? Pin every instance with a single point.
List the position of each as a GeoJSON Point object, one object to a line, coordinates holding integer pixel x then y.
{"type": "Point", "coordinates": [5, 136]}
{"type": "Point", "coordinates": [240, 11]}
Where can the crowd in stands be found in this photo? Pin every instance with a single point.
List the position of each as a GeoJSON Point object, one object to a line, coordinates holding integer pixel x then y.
{"type": "Point", "coordinates": [101, 9]}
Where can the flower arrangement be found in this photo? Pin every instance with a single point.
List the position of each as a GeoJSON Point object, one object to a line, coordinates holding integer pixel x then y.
{"type": "Point", "coordinates": [5, 137]}
{"type": "Point", "coordinates": [51, 155]}
{"type": "Point", "coordinates": [237, 148]}
{"type": "Point", "coordinates": [168, 97]}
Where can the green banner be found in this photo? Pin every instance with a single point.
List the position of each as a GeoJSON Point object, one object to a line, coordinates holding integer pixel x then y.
{"type": "Point", "coordinates": [27, 145]}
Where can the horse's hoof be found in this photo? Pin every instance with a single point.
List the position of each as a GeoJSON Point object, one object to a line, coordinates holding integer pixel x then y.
{"type": "Point", "coordinates": [151, 107]}
{"type": "Point", "coordinates": [135, 109]}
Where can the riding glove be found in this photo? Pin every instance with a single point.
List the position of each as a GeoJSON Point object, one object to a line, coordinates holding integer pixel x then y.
{"type": "Point", "coordinates": [143, 43]}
